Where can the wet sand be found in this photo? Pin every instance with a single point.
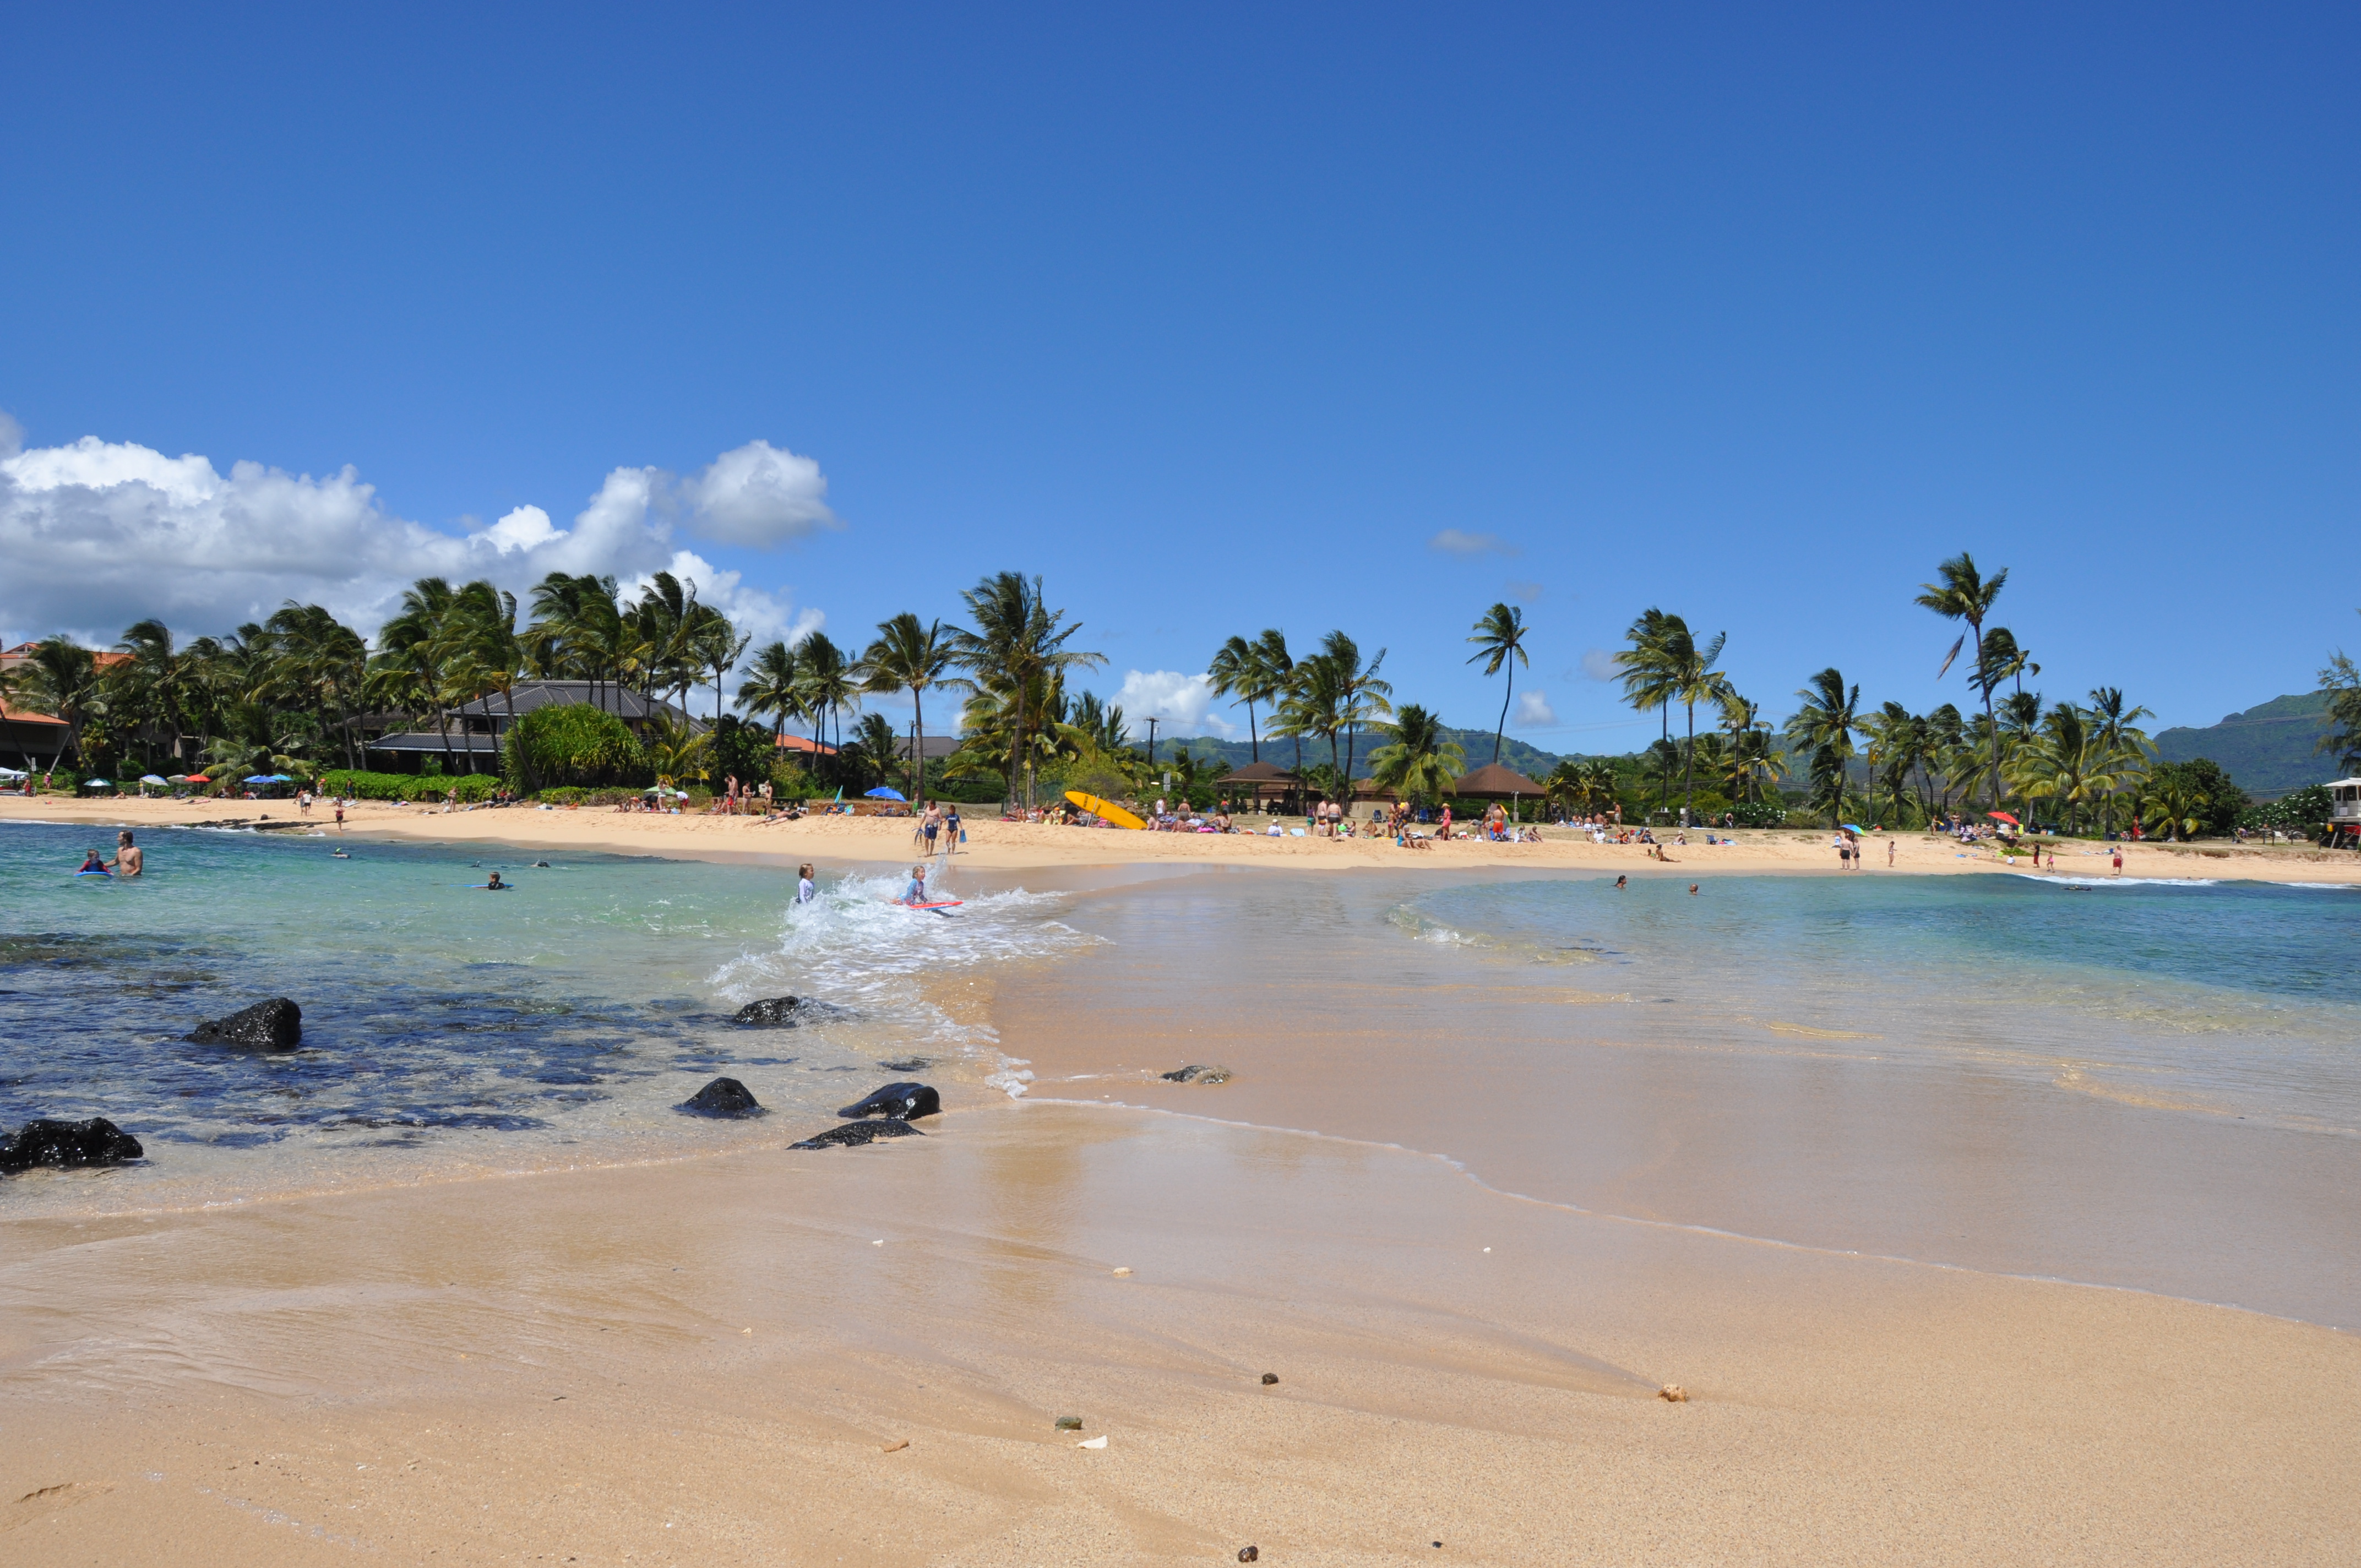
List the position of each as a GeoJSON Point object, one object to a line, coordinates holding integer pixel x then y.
{"type": "Point", "coordinates": [706, 1364]}
{"type": "Point", "coordinates": [1007, 846]}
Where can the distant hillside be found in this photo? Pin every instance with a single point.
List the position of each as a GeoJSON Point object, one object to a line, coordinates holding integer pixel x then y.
{"type": "Point", "coordinates": [2267, 749]}
{"type": "Point", "coordinates": [1530, 761]}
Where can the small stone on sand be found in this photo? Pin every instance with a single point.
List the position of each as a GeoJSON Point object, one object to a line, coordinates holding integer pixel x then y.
{"type": "Point", "coordinates": [1092, 1442]}
{"type": "Point", "coordinates": [1070, 1423]}
{"type": "Point", "coordinates": [1268, 1378]}
{"type": "Point", "coordinates": [1248, 1554]}
{"type": "Point", "coordinates": [1121, 1271]}
{"type": "Point", "coordinates": [1672, 1393]}
{"type": "Point", "coordinates": [896, 1446]}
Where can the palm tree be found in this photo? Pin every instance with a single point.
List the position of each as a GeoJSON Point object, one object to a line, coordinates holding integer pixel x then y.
{"type": "Point", "coordinates": [869, 753]}
{"type": "Point", "coordinates": [319, 663]}
{"type": "Point", "coordinates": [909, 657]}
{"type": "Point", "coordinates": [1690, 669]}
{"type": "Point", "coordinates": [1583, 788]}
{"type": "Point", "coordinates": [1314, 706]}
{"type": "Point", "coordinates": [1648, 678]}
{"type": "Point", "coordinates": [1274, 673]}
{"type": "Point", "coordinates": [675, 751]}
{"type": "Point", "coordinates": [1018, 656]}
{"type": "Point", "coordinates": [60, 679]}
{"type": "Point", "coordinates": [774, 686]}
{"type": "Point", "coordinates": [1361, 696]}
{"type": "Point", "coordinates": [825, 686]}
{"type": "Point", "coordinates": [1499, 641]}
{"type": "Point", "coordinates": [2176, 806]}
{"type": "Point", "coordinates": [1824, 727]}
{"type": "Point", "coordinates": [1753, 760]}
{"type": "Point", "coordinates": [1239, 667]}
{"type": "Point", "coordinates": [2125, 743]}
{"type": "Point", "coordinates": [1420, 765]}
{"type": "Point", "coordinates": [1897, 741]}
{"type": "Point", "coordinates": [419, 639]}
{"type": "Point", "coordinates": [1964, 594]}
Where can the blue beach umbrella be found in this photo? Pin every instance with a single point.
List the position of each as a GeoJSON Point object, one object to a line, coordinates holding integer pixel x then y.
{"type": "Point", "coordinates": [885, 791]}
{"type": "Point", "coordinates": [259, 778]}
{"type": "Point", "coordinates": [1853, 828]}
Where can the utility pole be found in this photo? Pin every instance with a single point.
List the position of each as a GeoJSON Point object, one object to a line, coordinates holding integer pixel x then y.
{"type": "Point", "coordinates": [1151, 740]}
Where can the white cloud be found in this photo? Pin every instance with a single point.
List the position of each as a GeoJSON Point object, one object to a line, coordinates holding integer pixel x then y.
{"type": "Point", "coordinates": [1522, 592]}
{"type": "Point", "coordinates": [1532, 711]}
{"type": "Point", "coordinates": [96, 535]}
{"type": "Point", "coordinates": [1456, 541]}
{"type": "Point", "coordinates": [758, 494]}
{"type": "Point", "coordinates": [1183, 704]}
{"type": "Point", "coordinates": [1600, 665]}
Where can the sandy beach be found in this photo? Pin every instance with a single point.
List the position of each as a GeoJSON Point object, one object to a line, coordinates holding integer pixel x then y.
{"type": "Point", "coordinates": [764, 1356]}
{"type": "Point", "coordinates": [1016, 846]}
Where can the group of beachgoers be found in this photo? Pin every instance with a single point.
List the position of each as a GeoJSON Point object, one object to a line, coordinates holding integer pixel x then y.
{"type": "Point", "coordinates": [940, 822]}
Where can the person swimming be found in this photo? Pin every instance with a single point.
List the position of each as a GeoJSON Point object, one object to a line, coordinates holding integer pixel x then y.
{"type": "Point", "coordinates": [493, 883]}
{"type": "Point", "coordinates": [1621, 883]}
{"type": "Point", "coordinates": [93, 864]}
{"type": "Point", "coordinates": [338, 855]}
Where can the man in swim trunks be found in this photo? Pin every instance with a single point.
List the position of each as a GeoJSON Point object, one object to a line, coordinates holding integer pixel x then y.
{"type": "Point", "coordinates": [127, 857]}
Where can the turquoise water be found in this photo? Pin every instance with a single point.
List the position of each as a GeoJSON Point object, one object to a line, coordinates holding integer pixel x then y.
{"type": "Point", "coordinates": [2235, 998]}
{"type": "Point", "coordinates": [442, 1022]}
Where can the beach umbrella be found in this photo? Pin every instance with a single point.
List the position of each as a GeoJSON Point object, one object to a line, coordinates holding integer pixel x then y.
{"type": "Point", "coordinates": [196, 778]}
{"type": "Point", "coordinates": [886, 792]}
{"type": "Point", "coordinates": [280, 778]}
{"type": "Point", "coordinates": [96, 783]}
{"type": "Point", "coordinates": [10, 773]}
{"type": "Point", "coordinates": [1852, 827]}
{"type": "Point", "coordinates": [177, 778]}
{"type": "Point", "coordinates": [259, 778]}
{"type": "Point", "coordinates": [151, 778]}
{"type": "Point", "coordinates": [2003, 817]}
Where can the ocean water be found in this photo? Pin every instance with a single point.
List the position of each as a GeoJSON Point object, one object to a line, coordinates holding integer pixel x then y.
{"type": "Point", "coordinates": [2230, 998]}
{"type": "Point", "coordinates": [446, 1028]}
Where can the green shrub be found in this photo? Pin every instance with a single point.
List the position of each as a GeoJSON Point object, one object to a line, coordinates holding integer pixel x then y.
{"type": "Point", "coordinates": [474, 788]}
{"type": "Point", "coordinates": [571, 744]}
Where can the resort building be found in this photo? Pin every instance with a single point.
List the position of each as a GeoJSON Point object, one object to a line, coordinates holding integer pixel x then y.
{"type": "Point", "coordinates": [467, 738]}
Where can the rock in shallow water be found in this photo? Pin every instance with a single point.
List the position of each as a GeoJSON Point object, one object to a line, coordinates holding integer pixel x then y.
{"type": "Point", "coordinates": [903, 1101]}
{"type": "Point", "coordinates": [273, 1025]}
{"type": "Point", "coordinates": [770, 1012]}
{"type": "Point", "coordinates": [1194, 1073]}
{"type": "Point", "coordinates": [852, 1134]}
{"type": "Point", "coordinates": [722, 1097]}
{"type": "Point", "coordinates": [62, 1145]}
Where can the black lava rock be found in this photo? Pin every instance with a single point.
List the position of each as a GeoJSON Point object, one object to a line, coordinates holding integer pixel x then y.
{"type": "Point", "coordinates": [62, 1145]}
{"type": "Point", "coordinates": [771, 1013]}
{"type": "Point", "coordinates": [273, 1025]}
{"type": "Point", "coordinates": [903, 1101]}
{"type": "Point", "coordinates": [722, 1097]}
{"type": "Point", "coordinates": [1194, 1073]}
{"type": "Point", "coordinates": [852, 1134]}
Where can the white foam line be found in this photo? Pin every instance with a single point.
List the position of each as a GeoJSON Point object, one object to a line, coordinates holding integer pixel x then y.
{"type": "Point", "coordinates": [1461, 1168]}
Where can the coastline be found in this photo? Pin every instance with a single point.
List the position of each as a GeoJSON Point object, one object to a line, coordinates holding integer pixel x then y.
{"type": "Point", "coordinates": [995, 845]}
{"type": "Point", "coordinates": [706, 1359]}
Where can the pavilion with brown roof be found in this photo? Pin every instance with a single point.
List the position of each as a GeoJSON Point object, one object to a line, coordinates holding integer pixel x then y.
{"type": "Point", "coordinates": [1259, 777]}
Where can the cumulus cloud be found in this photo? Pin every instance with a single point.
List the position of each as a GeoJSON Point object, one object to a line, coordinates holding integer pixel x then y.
{"type": "Point", "coordinates": [759, 495]}
{"type": "Point", "coordinates": [1532, 711]}
{"type": "Point", "coordinates": [97, 535]}
{"type": "Point", "coordinates": [1456, 541]}
{"type": "Point", "coordinates": [1183, 703]}
{"type": "Point", "coordinates": [1523, 593]}
{"type": "Point", "coordinates": [1600, 665]}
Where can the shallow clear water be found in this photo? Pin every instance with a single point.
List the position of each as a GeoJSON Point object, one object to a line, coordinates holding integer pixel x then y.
{"type": "Point", "coordinates": [2155, 1086]}
{"type": "Point", "coordinates": [2235, 998]}
{"type": "Point", "coordinates": [442, 1021]}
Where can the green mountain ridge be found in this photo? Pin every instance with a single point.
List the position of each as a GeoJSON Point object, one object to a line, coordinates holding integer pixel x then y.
{"type": "Point", "coordinates": [2269, 750]}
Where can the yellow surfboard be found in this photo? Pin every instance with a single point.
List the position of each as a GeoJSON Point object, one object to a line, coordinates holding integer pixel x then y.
{"type": "Point", "coordinates": [1106, 808]}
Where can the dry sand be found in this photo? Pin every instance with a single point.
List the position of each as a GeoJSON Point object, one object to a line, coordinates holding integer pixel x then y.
{"type": "Point", "coordinates": [994, 845]}
{"type": "Point", "coordinates": [708, 1361]}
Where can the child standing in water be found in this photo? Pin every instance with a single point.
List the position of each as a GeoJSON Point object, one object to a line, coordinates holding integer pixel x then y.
{"type": "Point", "coordinates": [805, 892]}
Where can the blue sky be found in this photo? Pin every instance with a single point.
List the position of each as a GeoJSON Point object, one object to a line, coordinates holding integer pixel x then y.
{"type": "Point", "coordinates": [1218, 319]}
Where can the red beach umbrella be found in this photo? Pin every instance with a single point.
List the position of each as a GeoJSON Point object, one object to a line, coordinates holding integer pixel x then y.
{"type": "Point", "coordinates": [2003, 817]}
